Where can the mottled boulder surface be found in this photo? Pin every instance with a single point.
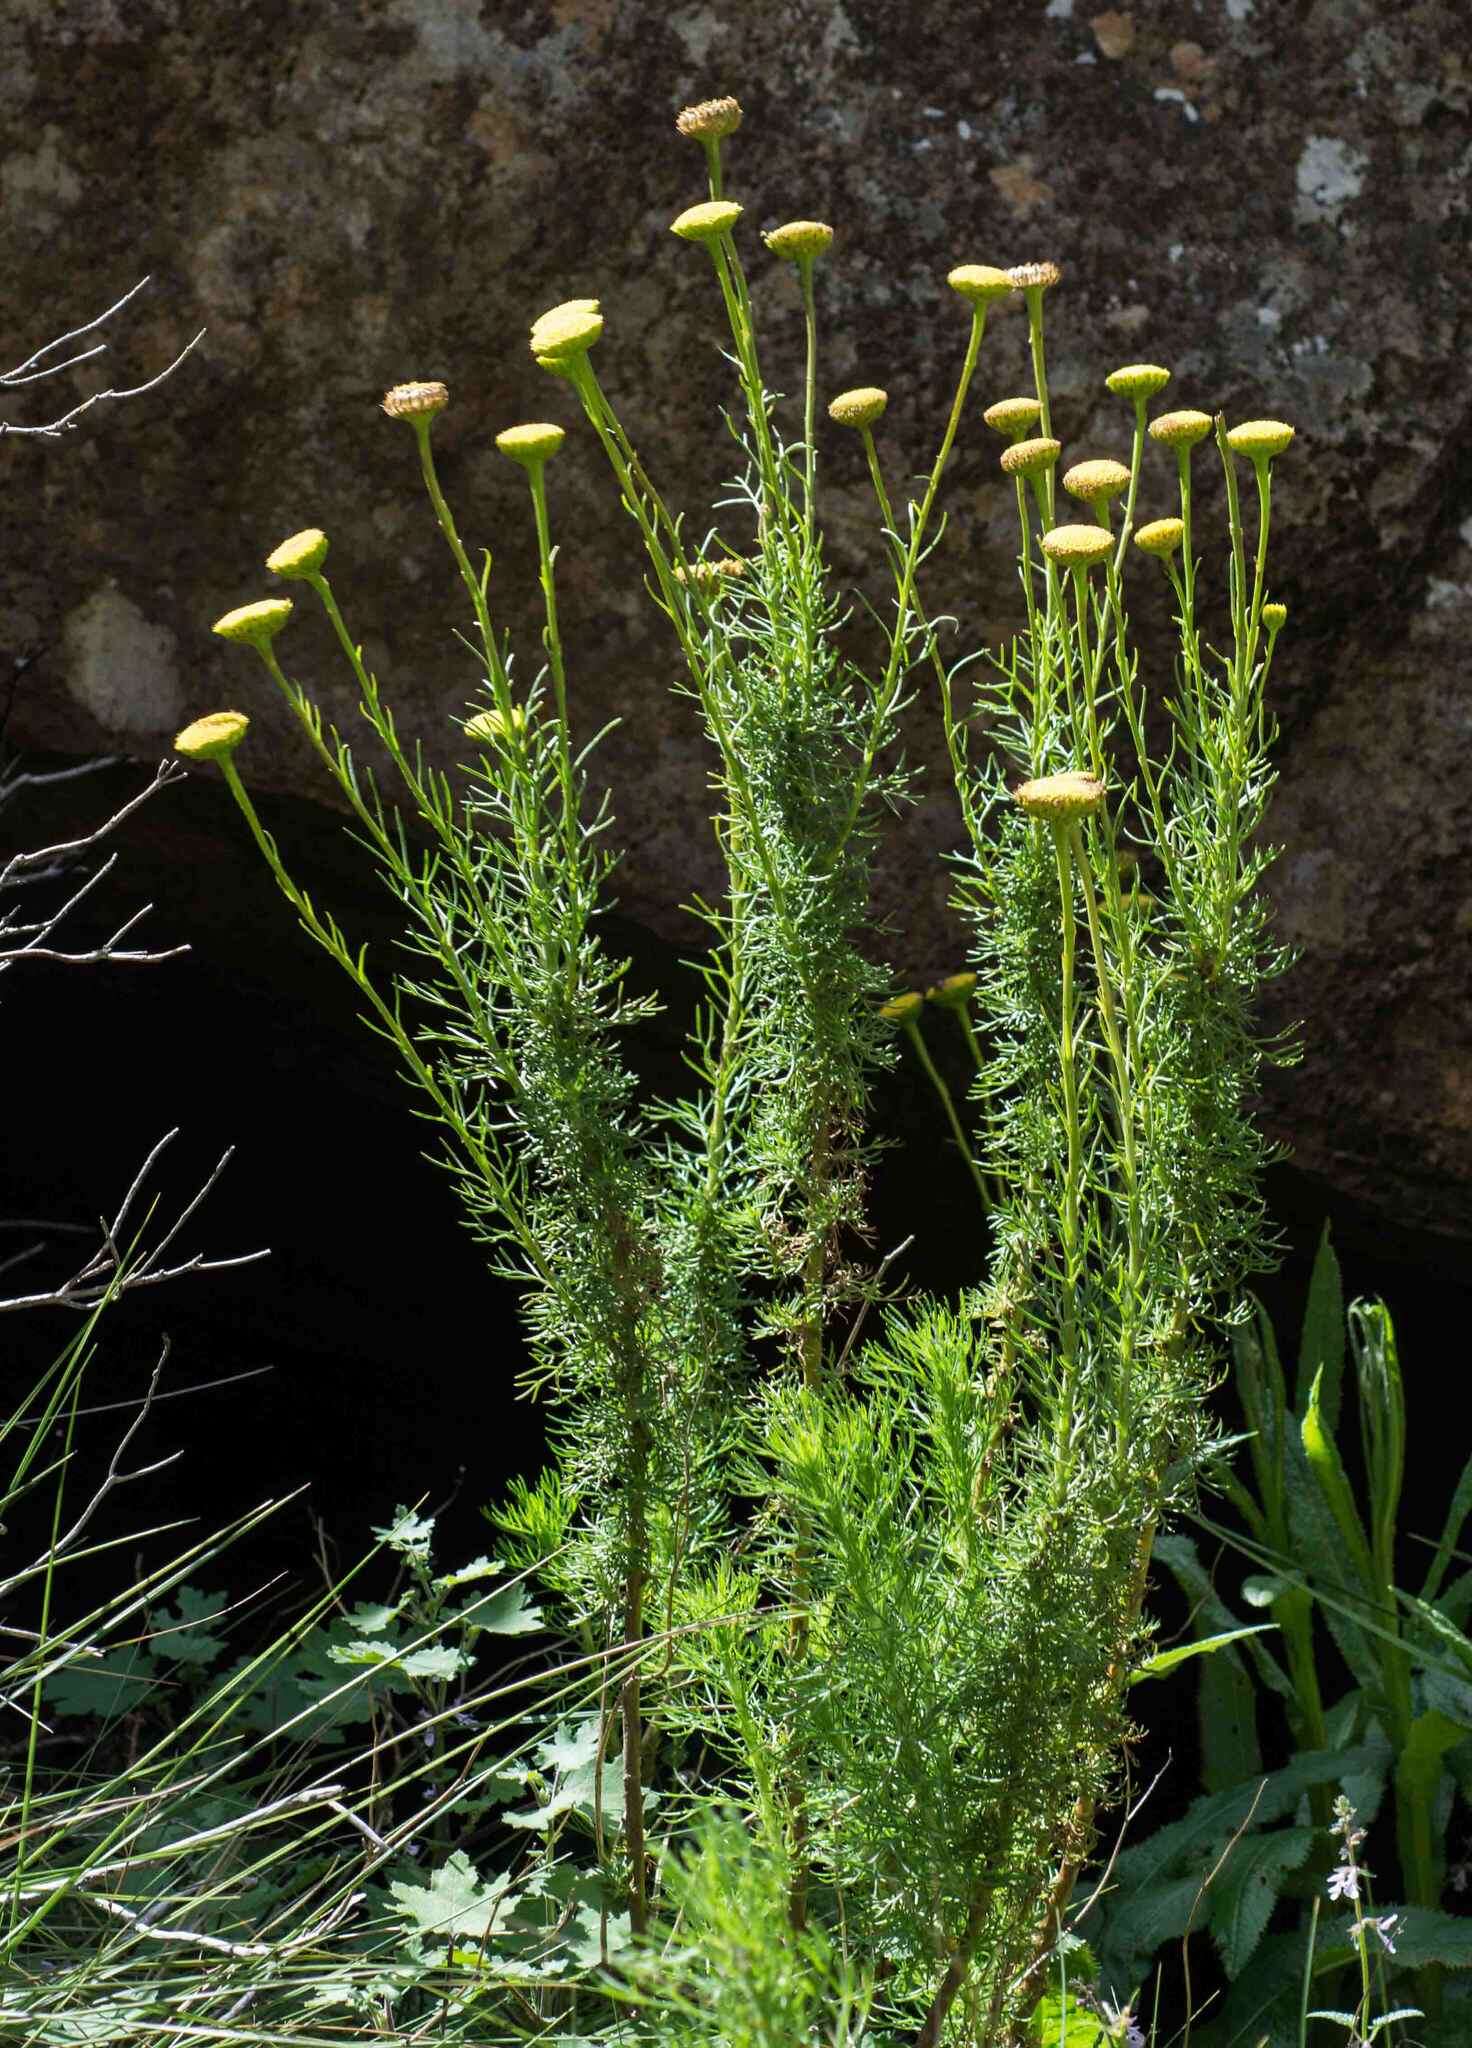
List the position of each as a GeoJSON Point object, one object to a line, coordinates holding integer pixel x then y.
{"type": "Point", "coordinates": [1264, 196]}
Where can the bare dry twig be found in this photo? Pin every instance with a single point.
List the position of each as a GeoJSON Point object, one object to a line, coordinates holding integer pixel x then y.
{"type": "Point", "coordinates": [34, 368]}
{"type": "Point", "coordinates": [116, 1268]}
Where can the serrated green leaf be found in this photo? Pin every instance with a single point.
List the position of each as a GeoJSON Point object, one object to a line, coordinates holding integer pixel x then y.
{"type": "Point", "coordinates": [1245, 1890]}
{"type": "Point", "coordinates": [409, 1535]}
{"type": "Point", "coordinates": [180, 1633]}
{"type": "Point", "coordinates": [478, 1568]}
{"type": "Point", "coordinates": [507, 1613]}
{"type": "Point", "coordinates": [109, 1686]}
{"type": "Point", "coordinates": [454, 1902]}
{"type": "Point", "coordinates": [436, 1661]}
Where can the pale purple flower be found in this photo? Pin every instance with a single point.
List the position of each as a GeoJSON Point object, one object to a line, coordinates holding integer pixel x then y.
{"type": "Point", "coordinates": [1120, 2015]}
{"type": "Point", "coordinates": [1385, 1927]}
{"type": "Point", "coordinates": [1344, 1883]}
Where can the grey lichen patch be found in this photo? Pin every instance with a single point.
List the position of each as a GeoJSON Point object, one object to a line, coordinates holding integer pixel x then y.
{"type": "Point", "coordinates": [1330, 173]}
{"type": "Point", "coordinates": [121, 666]}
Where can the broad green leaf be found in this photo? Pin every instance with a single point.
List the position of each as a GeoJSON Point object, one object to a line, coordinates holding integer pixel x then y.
{"type": "Point", "coordinates": [1227, 1717]}
{"type": "Point", "coordinates": [1060, 2022]}
{"type": "Point", "coordinates": [409, 1534]}
{"type": "Point", "coordinates": [1211, 1821]}
{"type": "Point", "coordinates": [455, 1901]}
{"type": "Point", "coordinates": [1246, 1888]}
{"type": "Point", "coordinates": [1321, 1346]}
{"type": "Point", "coordinates": [507, 1613]}
{"type": "Point", "coordinates": [181, 1634]}
{"type": "Point", "coordinates": [1167, 1660]}
{"type": "Point", "coordinates": [478, 1568]}
{"type": "Point", "coordinates": [436, 1661]}
{"type": "Point", "coordinates": [108, 1686]}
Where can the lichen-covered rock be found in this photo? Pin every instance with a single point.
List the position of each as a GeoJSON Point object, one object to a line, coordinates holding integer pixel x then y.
{"type": "Point", "coordinates": [353, 195]}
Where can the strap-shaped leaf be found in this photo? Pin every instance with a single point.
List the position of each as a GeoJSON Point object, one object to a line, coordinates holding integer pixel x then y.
{"type": "Point", "coordinates": [1321, 1347]}
{"type": "Point", "coordinates": [1328, 1469]}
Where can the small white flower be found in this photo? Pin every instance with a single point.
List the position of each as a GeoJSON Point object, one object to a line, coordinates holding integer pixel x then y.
{"type": "Point", "coordinates": [1344, 1883]}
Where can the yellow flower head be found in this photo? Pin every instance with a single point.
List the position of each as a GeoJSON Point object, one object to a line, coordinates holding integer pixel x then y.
{"type": "Point", "coordinates": [491, 729]}
{"type": "Point", "coordinates": [213, 737]}
{"type": "Point", "coordinates": [706, 222]}
{"type": "Point", "coordinates": [531, 445]}
{"type": "Point", "coordinates": [1077, 547]}
{"type": "Point", "coordinates": [859, 407]}
{"type": "Point", "coordinates": [1180, 429]}
{"type": "Point", "coordinates": [1259, 439]}
{"type": "Point", "coordinates": [1013, 416]}
{"type": "Point", "coordinates": [255, 624]}
{"type": "Point", "coordinates": [799, 240]}
{"type": "Point", "coordinates": [709, 119]}
{"type": "Point", "coordinates": [1060, 798]}
{"type": "Point", "coordinates": [415, 401]}
{"type": "Point", "coordinates": [1035, 277]}
{"type": "Point", "coordinates": [952, 993]}
{"type": "Point", "coordinates": [980, 283]}
{"type": "Point", "coordinates": [563, 337]}
{"type": "Point", "coordinates": [1138, 380]}
{"type": "Point", "coordinates": [1275, 617]}
{"type": "Point", "coordinates": [1031, 458]}
{"type": "Point", "coordinates": [902, 1009]}
{"type": "Point", "coordinates": [1160, 538]}
{"type": "Point", "coordinates": [1095, 483]}
{"type": "Point", "coordinates": [302, 555]}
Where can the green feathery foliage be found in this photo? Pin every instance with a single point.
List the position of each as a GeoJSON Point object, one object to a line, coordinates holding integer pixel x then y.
{"type": "Point", "coordinates": [880, 1595]}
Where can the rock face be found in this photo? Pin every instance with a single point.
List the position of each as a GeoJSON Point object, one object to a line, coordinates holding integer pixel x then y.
{"type": "Point", "coordinates": [380, 189]}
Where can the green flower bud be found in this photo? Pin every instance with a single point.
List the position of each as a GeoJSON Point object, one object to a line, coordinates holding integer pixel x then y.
{"type": "Point", "coordinates": [980, 283]}
{"type": "Point", "coordinates": [533, 444]}
{"type": "Point", "coordinates": [490, 729]}
{"type": "Point", "coordinates": [1137, 380]}
{"type": "Point", "coordinates": [1260, 440]}
{"type": "Point", "coordinates": [302, 555]}
{"type": "Point", "coordinates": [1180, 429]}
{"type": "Point", "coordinates": [1096, 482]}
{"type": "Point", "coordinates": [212, 737]}
{"type": "Point", "coordinates": [254, 624]}
{"type": "Point", "coordinates": [1077, 547]}
{"type": "Point", "coordinates": [1161, 537]}
{"type": "Point", "coordinates": [859, 407]}
{"type": "Point", "coordinates": [799, 239]}
{"type": "Point", "coordinates": [706, 222]}
{"type": "Point", "coordinates": [953, 993]}
{"type": "Point", "coordinates": [1030, 458]}
{"type": "Point", "coordinates": [1013, 416]}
